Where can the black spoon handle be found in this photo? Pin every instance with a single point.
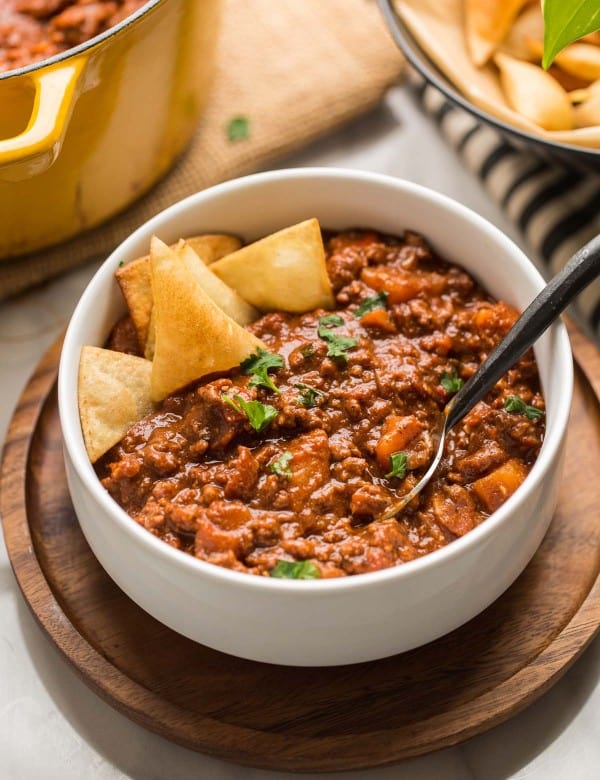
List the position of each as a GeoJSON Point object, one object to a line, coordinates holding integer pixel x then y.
{"type": "Point", "coordinates": [581, 269]}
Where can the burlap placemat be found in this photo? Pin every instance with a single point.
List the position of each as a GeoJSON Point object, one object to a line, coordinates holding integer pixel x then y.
{"type": "Point", "coordinates": [295, 68]}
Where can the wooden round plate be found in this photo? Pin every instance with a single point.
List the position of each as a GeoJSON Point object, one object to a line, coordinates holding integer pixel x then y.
{"type": "Point", "coordinates": [292, 718]}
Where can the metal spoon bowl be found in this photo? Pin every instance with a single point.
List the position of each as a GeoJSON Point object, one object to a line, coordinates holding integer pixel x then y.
{"type": "Point", "coordinates": [575, 276]}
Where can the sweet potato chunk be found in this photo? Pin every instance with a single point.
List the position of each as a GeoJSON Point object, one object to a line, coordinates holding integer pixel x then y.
{"type": "Point", "coordinates": [493, 489]}
{"type": "Point", "coordinates": [396, 433]}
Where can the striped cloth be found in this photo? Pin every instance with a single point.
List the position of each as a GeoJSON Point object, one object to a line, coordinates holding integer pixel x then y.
{"type": "Point", "coordinates": [556, 207]}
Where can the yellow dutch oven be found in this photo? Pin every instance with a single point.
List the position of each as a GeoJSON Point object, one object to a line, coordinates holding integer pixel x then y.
{"type": "Point", "coordinates": [84, 133]}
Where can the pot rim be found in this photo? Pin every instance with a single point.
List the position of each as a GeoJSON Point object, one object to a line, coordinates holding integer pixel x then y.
{"type": "Point", "coordinates": [75, 50]}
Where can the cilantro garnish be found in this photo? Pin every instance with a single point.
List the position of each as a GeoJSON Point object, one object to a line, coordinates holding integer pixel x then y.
{"type": "Point", "coordinates": [378, 301]}
{"type": "Point", "coordinates": [295, 570]}
{"type": "Point", "coordinates": [450, 381]}
{"type": "Point", "coordinates": [517, 405]}
{"type": "Point", "coordinates": [259, 415]}
{"type": "Point", "coordinates": [329, 321]}
{"type": "Point", "coordinates": [238, 128]}
{"type": "Point", "coordinates": [281, 466]}
{"type": "Point", "coordinates": [308, 395]}
{"type": "Point", "coordinates": [399, 465]}
{"type": "Point", "coordinates": [337, 346]}
{"type": "Point", "coordinates": [308, 350]}
{"type": "Point", "coordinates": [258, 366]}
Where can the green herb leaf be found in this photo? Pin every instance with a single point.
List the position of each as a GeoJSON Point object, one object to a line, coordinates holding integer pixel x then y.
{"type": "Point", "coordinates": [378, 301]}
{"type": "Point", "coordinates": [281, 466]}
{"type": "Point", "coordinates": [308, 395]}
{"type": "Point", "coordinates": [308, 350]}
{"type": "Point", "coordinates": [121, 263]}
{"type": "Point", "coordinates": [517, 405]}
{"type": "Point", "coordinates": [337, 346]}
{"type": "Point", "coordinates": [564, 22]}
{"type": "Point", "coordinates": [258, 366]}
{"type": "Point", "coordinates": [399, 465]}
{"type": "Point", "coordinates": [295, 570]}
{"type": "Point", "coordinates": [238, 128]}
{"type": "Point", "coordinates": [330, 321]}
{"type": "Point", "coordinates": [450, 381]}
{"type": "Point", "coordinates": [259, 415]}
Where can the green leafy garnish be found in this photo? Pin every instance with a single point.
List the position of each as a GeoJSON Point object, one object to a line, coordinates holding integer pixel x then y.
{"type": "Point", "coordinates": [337, 346]}
{"type": "Point", "coordinates": [238, 128]}
{"type": "Point", "coordinates": [259, 415]}
{"type": "Point", "coordinates": [121, 263]}
{"type": "Point", "coordinates": [329, 321]}
{"type": "Point", "coordinates": [450, 381]}
{"type": "Point", "coordinates": [281, 466]}
{"type": "Point", "coordinates": [399, 462]}
{"type": "Point", "coordinates": [517, 405]}
{"type": "Point", "coordinates": [295, 570]}
{"type": "Point", "coordinates": [258, 365]}
{"type": "Point", "coordinates": [378, 301]}
{"type": "Point", "coordinates": [566, 21]}
{"type": "Point", "coordinates": [308, 395]}
{"type": "Point", "coordinates": [308, 350]}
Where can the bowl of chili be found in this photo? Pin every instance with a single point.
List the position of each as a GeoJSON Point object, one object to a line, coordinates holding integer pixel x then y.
{"type": "Point", "coordinates": [423, 288]}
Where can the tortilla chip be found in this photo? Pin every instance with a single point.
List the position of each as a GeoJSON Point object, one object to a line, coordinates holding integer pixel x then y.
{"type": "Point", "coordinates": [151, 337]}
{"type": "Point", "coordinates": [534, 93]}
{"type": "Point", "coordinates": [194, 336]}
{"type": "Point", "coordinates": [529, 25]}
{"type": "Point", "coordinates": [135, 281]}
{"type": "Point", "coordinates": [587, 113]}
{"type": "Point", "coordinates": [487, 23]}
{"type": "Point", "coordinates": [114, 393]}
{"type": "Point", "coordinates": [581, 60]}
{"type": "Point", "coordinates": [226, 299]}
{"type": "Point", "coordinates": [212, 246]}
{"type": "Point", "coordinates": [283, 271]}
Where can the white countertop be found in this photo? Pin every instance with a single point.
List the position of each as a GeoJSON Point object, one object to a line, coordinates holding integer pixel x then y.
{"type": "Point", "coordinates": [53, 727]}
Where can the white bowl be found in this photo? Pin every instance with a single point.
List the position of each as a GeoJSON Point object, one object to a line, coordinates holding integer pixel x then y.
{"type": "Point", "coordinates": [332, 621]}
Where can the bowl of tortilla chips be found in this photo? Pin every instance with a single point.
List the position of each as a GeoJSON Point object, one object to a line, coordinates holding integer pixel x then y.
{"type": "Point", "coordinates": [485, 56]}
{"type": "Point", "coordinates": [262, 236]}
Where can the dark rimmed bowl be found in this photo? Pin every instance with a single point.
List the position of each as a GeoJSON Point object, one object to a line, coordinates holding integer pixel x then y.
{"type": "Point", "coordinates": [586, 160]}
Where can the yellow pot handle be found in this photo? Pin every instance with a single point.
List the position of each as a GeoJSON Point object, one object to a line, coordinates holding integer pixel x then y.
{"type": "Point", "coordinates": [37, 147]}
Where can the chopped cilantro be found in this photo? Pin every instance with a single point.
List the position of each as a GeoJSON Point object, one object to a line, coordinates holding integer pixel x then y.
{"type": "Point", "coordinates": [337, 346]}
{"type": "Point", "coordinates": [259, 415]}
{"type": "Point", "coordinates": [378, 301]}
{"type": "Point", "coordinates": [329, 321]}
{"type": "Point", "coordinates": [281, 466]}
{"type": "Point", "coordinates": [399, 465]}
{"type": "Point", "coordinates": [308, 350]}
{"type": "Point", "coordinates": [308, 395]}
{"type": "Point", "coordinates": [258, 366]}
{"type": "Point", "coordinates": [121, 263]}
{"type": "Point", "coordinates": [238, 128]}
{"type": "Point", "coordinates": [295, 570]}
{"type": "Point", "coordinates": [450, 381]}
{"type": "Point", "coordinates": [517, 405]}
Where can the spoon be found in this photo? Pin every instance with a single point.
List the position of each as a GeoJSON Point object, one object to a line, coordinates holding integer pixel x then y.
{"type": "Point", "coordinates": [580, 271]}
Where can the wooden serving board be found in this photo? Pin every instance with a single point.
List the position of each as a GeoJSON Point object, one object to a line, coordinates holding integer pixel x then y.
{"type": "Point", "coordinates": [292, 718]}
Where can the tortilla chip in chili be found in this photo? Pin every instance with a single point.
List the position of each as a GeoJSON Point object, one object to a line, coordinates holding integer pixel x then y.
{"type": "Point", "coordinates": [135, 280]}
{"type": "Point", "coordinates": [113, 394]}
{"type": "Point", "coordinates": [193, 335]}
{"type": "Point", "coordinates": [283, 271]}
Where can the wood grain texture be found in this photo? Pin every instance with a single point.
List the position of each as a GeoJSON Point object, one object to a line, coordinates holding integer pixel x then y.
{"type": "Point", "coordinates": [292, 718]}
